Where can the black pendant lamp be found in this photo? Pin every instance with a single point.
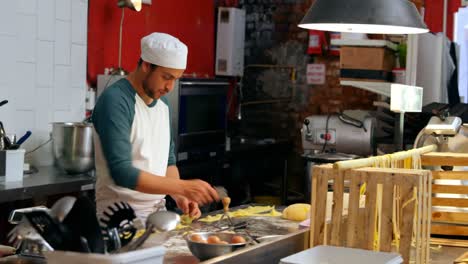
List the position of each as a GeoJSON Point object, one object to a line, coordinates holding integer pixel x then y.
{"type": "Point", "coordinates": [364, 16]}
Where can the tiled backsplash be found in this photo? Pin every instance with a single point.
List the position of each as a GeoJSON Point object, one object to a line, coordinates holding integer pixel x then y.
{"type": "Point", "coordinates": [42, 68]}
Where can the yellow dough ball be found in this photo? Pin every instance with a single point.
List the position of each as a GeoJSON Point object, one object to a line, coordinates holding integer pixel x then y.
{"type": "Point", "coordinates": [297, 212]}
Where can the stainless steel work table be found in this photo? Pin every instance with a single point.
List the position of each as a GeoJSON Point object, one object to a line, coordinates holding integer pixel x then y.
{"type": "Point", "coordinates": [294, 240]}
{"type": "Point", "coordinates": [49, 180]}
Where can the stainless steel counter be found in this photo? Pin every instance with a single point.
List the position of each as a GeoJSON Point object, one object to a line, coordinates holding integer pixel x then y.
{"type": "Point", "coordinates": [267, 252]}
{"type": "Point", "coordinates": [293, 241]}
{"type": "Point", "coordinates": [49, 180]}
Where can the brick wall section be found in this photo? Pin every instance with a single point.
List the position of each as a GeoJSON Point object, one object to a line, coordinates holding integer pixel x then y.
{"type": "Point", "coordinates": [287, 45]}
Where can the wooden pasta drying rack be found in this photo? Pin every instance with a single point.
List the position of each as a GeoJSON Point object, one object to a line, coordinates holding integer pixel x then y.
{"type": "Point", "coordinates": [451, 221]}
{"type": "Point", "coordinates": [357, 229]}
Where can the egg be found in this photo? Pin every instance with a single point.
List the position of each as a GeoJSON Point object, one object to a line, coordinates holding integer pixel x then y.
{"type": "Point", "coordinates": [197, 238]}
{"type": "Point", "coordinates": [213, 240]}
{"type": "Point", "coordinates": [222, 242]}
{"type": "Point", "coordinates": [237, 239]}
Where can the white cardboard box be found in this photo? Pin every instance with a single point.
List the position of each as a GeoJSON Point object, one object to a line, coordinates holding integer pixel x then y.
{"type": "Point", "coordinates": [152, 255]}
{"type": "Point", "coordinates": [339, 255]}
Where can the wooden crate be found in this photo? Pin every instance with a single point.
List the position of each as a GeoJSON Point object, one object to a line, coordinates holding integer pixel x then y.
{"type": "Point", "coordinates": [463, 259]}
{"type": "Point", "coordinates": [361, 220]}
{"type": "Point", "coordinates": [448, 221]}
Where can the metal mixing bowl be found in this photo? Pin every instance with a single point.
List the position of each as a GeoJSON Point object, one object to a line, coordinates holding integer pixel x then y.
{"type": "Point", "coordinates": [73, 146]}
{"type": "Point", "coordinates": [205, 251]}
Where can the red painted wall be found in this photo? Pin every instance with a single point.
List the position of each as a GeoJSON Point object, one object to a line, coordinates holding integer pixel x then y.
{"type": "Point", "coordinates": [434, 15]}
{"type": "Point", "coordinates": [190, 21]}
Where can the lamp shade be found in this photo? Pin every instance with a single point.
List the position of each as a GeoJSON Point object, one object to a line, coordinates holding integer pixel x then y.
{"type": "Point", "coordinates": [132, 4]}
{"type": "Point", "coordinates": [364, 16]}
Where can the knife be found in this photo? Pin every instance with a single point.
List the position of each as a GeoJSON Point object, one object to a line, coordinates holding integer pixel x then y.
{"type": "Point", "coordinates": [222, 192]}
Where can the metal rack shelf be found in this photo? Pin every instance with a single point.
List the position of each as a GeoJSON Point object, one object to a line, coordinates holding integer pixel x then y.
{"type": "Point", "coordinates": [403, 98]}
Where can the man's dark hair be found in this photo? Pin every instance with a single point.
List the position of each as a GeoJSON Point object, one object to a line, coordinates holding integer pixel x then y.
{"type": "Point", "coordinates": [153, 66]}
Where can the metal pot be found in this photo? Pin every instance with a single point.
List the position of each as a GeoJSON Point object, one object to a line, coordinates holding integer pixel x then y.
{"type": "Point", "coordinates": [73, 146]}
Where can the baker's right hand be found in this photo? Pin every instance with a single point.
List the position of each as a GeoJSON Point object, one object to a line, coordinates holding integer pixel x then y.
{"type": "Point", "coordinates": [199, 191]}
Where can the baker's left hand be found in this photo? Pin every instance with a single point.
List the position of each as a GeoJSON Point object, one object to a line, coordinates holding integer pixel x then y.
{"type": "Point", "coordinates": [187, 206]}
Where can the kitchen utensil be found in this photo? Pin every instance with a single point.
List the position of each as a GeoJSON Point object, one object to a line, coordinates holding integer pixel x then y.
{"type": "Point", "coordinates": [73, 146]}
{"type": "Point", "coordinates": [3, 136]}
{"type": "Point", "coordinates": [162, 221]}
{"type": "Point", "coordinates": [113, 240]}
{"type": "Point", "coordinates": [12, 138]}
{"type": "Point", "coordinates": [54, 232]}
{"type": "Point", "coordinates": [62, 207]}
{"type": "Point", "coordinates": [237, 226]}
{"type": "Point", "coordinates": [24, 237]}
{"type": "Point", "coordinates": [251, 237]}
{"type": "Point", "coordinates": [222, 192]}
{"type": "Point", "coordinates": [23, 229]}
{"type": "Point", "coordinates": [22, 139]}
{"type": "Point", "coordinates": [82, 222]}
{"type": "Point", "coordinates": [268, 238]}
{"type": "Point", "coordinates": [226, 201]}
{"type": "Point", "coordinates": [204, 251]}
{"type": "Point", "coordinates": [119, 217]}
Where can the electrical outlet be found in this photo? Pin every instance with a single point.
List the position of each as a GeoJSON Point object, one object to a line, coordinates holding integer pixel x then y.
{"type": "Point", "coordinates": [146, 2]}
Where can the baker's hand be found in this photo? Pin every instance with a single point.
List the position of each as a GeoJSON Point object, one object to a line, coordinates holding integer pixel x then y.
{"type": "Point", "coordinates": [188, 207]}
{"type": "Point", "coordinates": [199, 191]}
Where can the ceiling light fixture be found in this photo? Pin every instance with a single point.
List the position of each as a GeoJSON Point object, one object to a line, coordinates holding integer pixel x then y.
{"type": "Point", "coordinates": [364, 16]}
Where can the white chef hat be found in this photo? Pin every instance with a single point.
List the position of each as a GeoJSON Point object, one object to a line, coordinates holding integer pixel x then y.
{"type": "Point", "coordinates": [164, 50]}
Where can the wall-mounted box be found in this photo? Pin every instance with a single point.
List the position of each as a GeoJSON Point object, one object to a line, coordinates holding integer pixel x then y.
{"type": "Point", "coordinates": [230, 42]}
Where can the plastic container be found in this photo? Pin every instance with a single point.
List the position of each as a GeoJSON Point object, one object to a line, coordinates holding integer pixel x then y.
{"type": "Point", "coordinates": [152, 255]}
{"type": "Point", "coordinates": [332, 255]}
{"type": "Point", "coordinates": [11, 164]}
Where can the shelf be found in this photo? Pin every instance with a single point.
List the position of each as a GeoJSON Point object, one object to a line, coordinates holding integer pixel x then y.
{"type": "Point", "coordinates": [403, 98]}
{"type": "Point", "coordinates": [382, 88]}
{"type": "Point", "coordinates": [365, 43]}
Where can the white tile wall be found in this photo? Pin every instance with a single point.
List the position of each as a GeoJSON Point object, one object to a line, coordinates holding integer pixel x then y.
{"type": "Point", "coordinates": [26, 38]}
{"type": "Point", "coordinates": [79, 21]}
{"type": "Point", "coordinates": [45, 63]}
{"type": "Point", "coordinates": [8, 50]}
{"type": "Point", "coordinates": [26, 6]}
{"type": "Point", "coordinates": [62, 42]}
{"type": "Point", "coordinates": [78, 63]}
{"type": "Point", "coordinates": [7, 21]}
{"type": "Point", "coordinates": [63, 10]}
{"type": "Point", "coordinates": [62, 88]}
{"type": "Point", "coordinates": [42, 74]}
{"type": "Point", "coordinates": [46, 20]}
{"type": "Point", "coordinates": [25, 86]}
